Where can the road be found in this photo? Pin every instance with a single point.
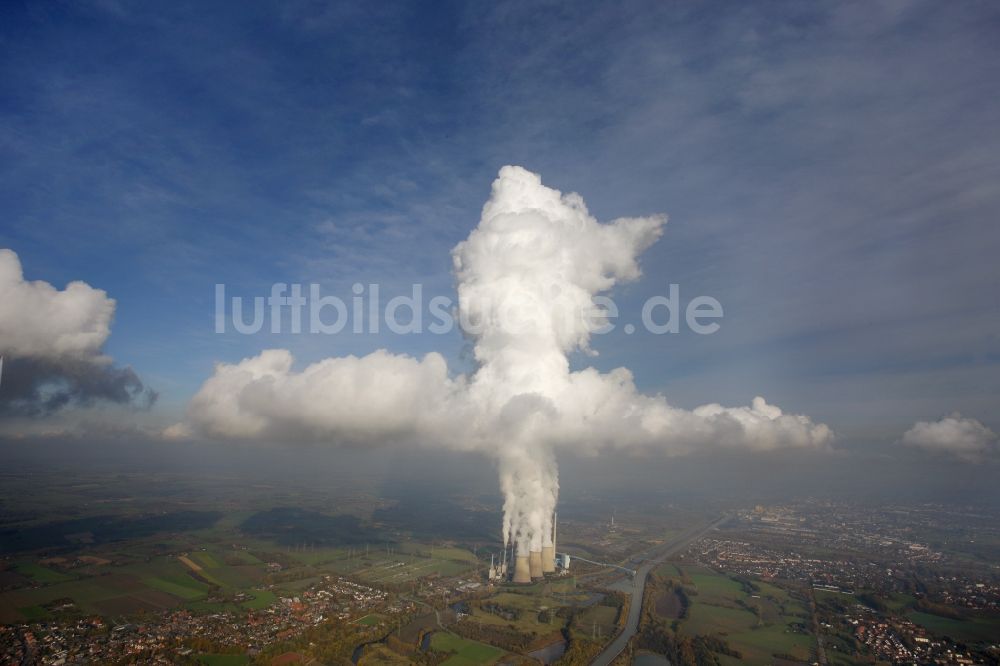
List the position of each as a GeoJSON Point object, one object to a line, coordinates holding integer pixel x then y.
{"type": "Point", "coordinates": [652, 559]}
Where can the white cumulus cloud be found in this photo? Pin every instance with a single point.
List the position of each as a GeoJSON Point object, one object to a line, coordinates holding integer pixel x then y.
{"type": "Point", "coordinates": [38, 320]}
{"type": "Point", "coordinates": [525, 276]}
{"type": "Point", "coordinates": [51, 341]}
{"type": "Point", "coordinates": [378, 396]}
{"type": "Point", "coordinates": [956, 435]}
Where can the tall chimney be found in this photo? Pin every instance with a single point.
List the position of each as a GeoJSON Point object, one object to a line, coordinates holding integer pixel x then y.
{"type": "Point", "coordinates": [535, 563]}
{"type": "Point", "coordinates": [522, 569]}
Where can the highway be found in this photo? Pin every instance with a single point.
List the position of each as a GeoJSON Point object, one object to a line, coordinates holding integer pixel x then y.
{"type": "Point", "coordinates": [652, 558]}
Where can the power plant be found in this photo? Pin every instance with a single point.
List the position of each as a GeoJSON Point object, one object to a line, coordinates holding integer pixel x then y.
{"type": "Point", "coordinates": [529, 564]}
{"type": "Point", "coordinates": [522, 570]}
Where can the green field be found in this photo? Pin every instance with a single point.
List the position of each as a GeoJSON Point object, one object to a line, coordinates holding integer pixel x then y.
{"type": "Point", "coordinates": [262, 599]}
{"type": "Point", "coordinates": [450, 553]}
{"type": "Point", "coordinates": [402, 568]}
{"type": "Point", "coordinates": [243, 556]}
{"type": "Point", "coordinates": [778, 594]}
{"type": "Point", "coordinates": [151, 577]}
{"type": "Point", "coordinates": [601, 618]}
{"type": "Point", "coordinates": [148, 575]}
{"type": "Point", "coordinates": [529, 605]}
{"type": "Point", "coordinates": [227, 577]}
{"type": "Point", "coordinates": [668, 570]}
{"type": "Point", "coordinates": [88, 597]}
{"type": "Point", "coordinates": [712, 586]}
{"type": "Point", "coordinates": [292, 587]}
{"type": "Point", "coordinates": [205, 559]}
{"type": "Point", "coordinates": [381, 655]}
{"type": "Point", "coordinates": [524, 601]}
{"type": "Point", "coordinates": [182, 586]}
{"type": "Point", "coordinates": [897, 603]}
{"type": "Point", "coordinates": [983, 628]}
{"type": "Point", "coordinates": [972, 630]}
{"type": "Point", "coordinates": [40, 573]}
{"type": "Point", "coordinates": [757, 645]}
{"type": "Point", "coordinates": [32, 613]}
{"type": "Point", "coordinates": [84, 593]}
{"type": "Point", "coordinates": [758, 624]}
{"type": "Point", "coordinates": [213, 607]}
{"type": "Point", "coordinates": [705, 619]}
{"type": "Point", "coordinates": [320, 556]}
{"type": "Point", "coordinates": [467, 653]}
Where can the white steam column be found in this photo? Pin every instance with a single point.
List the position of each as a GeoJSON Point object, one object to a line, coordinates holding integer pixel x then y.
{"type": "Point", "coordinates": [549, 552]}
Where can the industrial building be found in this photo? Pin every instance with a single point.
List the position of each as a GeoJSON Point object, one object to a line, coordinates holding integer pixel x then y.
{"type": "Point", "coordinates": [532, 566]}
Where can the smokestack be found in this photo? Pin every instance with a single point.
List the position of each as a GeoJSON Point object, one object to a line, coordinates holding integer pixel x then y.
{"type": "Point", "coordinates": [535, 563]}
{"type": "Point", "coordinates": [522, 569]}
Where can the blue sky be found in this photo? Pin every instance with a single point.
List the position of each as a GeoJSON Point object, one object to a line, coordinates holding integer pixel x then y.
{"type": "Point", "coordinates": [830, 171]}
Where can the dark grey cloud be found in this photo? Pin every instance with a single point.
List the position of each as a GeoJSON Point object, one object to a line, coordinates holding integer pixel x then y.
{"type": "Point", "coordinates": [51, 342]}
{"type": "Point", "coordinates": [36, 387]}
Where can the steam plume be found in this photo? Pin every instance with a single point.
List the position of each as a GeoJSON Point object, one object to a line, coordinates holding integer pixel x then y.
{"type": "Point", "coordinates": [527, 277]}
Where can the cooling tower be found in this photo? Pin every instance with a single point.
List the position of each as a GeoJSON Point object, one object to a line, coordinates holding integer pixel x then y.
{"type": "Point", "coordinates": [548, 559]}
{"type": "Point", "coordinates": [522, 569]}
{"type": "Point", "coordinates": [549, 552]}
{"type": "Point", "coordinates": [535, 562]}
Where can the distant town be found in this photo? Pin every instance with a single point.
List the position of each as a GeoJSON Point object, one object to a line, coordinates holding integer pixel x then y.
{"type": "Point", "coordinates": [809, 582]}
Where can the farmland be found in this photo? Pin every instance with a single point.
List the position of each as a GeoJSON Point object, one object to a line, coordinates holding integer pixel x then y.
{"type": "Point", "coordinates": [757, 620]}
{"type": "Point", "coordinates": [210, 570]}
{"type": "Point", "coordinates": [41, 574]}
{"type": "Point", "coordinates": [971, 630]}
{"type": "Point", "coordinates": [466, 652]}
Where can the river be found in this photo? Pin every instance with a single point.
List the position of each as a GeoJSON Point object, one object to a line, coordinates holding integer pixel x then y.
{"type": "Point", "coordinates": [652, 559]}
